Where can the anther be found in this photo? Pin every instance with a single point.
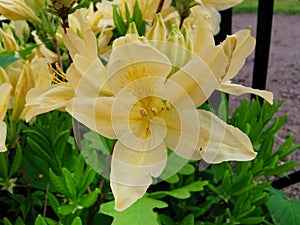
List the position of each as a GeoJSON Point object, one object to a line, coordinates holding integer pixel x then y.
{"type": "Point", "coordinates": [154, 111]}
{"type": "Point", "coordinates": [143, 112]}
{"type": "Point", "coordinates": [168, 105]}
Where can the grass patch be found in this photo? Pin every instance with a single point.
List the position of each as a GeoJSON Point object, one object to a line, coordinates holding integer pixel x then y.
{"type": "Point", "coordinates": [280, 6]}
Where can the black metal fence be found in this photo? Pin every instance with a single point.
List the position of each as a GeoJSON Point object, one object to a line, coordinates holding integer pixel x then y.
{"type": "Point", "coordinates": [261, 60]}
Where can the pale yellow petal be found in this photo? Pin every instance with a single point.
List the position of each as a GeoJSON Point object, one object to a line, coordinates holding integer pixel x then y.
{"type": "Point", "coordinates": [9, 42]}
{"type": "Point", "coordinates": [183, 134]}
{"type": "Point", "coordinates": [132, 172]}
{"type": "Point", "coordinates": [158, 31]}
{"type": "Point", "coordinates": [82, 75]}
{"type": "Point", "coordinates": [220, 142]}
{"type": "Point", "coordinates": [222, 4]}
{"type": "Point", "coordinates": [25, 83]}
{"type": "Point", "coordinates": [85, 45]}
{"type": "Point", "coordinates": [215, 18]}
{"type": "Point", "coordinates": [199, 22]}
{"type": "Point", "coordinates": [43, 50]}
{"type": "Point", "coordinates": [236, 89]}
{"type": "Point", "coordinates": [133, 61]}
{"type": "Point", "coordinates": [95, 113]}
{"type": "Point", "coordinates": [40, 72]}
{"type": "Point", "coordinates": [17, 10]}
{"type": "Point", "coordinates": [45, 99]}
{"type": "Point", "coordinates": [237, 48]}
{"type": "Point", "coordinates": [197, 80]}
{"type": "Point", "coordinates": [2, 136]}
{"type": "Point", "coordinates": [5, 90]}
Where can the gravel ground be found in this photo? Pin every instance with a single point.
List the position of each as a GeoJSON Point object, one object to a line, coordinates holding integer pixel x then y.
{"type": "Point", "coordinates": [283, 75]}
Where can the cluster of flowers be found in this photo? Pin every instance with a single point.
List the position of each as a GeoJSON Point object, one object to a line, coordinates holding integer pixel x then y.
{"type": "Point", "coordinates": [142, 90]}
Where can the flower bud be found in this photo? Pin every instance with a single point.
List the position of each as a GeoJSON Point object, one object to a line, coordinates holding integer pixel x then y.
{"type": "Point", "coordinates": [18, 10]}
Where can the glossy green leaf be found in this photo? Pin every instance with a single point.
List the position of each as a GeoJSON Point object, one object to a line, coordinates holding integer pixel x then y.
{"type": "Point", "coordinates": [19, 221]}
{"type": "Point", "coordinates": [59, 184]}
{"type": "Point", "coordinates": [188, 220]}
{"type": "Point", "coordinates": [7, 58]}
{"type": "Point", "coordinates": [67, 209]}
{"type": "Point", "coordinates": [139, 213]}
{"type": "Point", "coordinates": [284, 211]}
{"type": "Point", "coordinates": [77, 221]}
{"type": "Point", "coordinates": [40, 221]}
{"type": "Point", "coordinates": [181, 193]}
{"type": "Point", "coordinates": [70, 183]}
{"type": "Point", "coordinates": [6, 221]}
{"type": "Point", "coordinates": [16, 162]}
{"type": "Point", "coordinates": [89, 199]}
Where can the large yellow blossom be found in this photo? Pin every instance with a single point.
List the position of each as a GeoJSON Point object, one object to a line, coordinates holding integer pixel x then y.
{"type": "Point", "coordinates": [225, 59]}
{"type": "Point", "coordinates": [133, 100]}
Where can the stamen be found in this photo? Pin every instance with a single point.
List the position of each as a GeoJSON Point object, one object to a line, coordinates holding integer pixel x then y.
{"type": "Point", "coordinates": [154, 111]}
{"type": "Point", "coordinates": [143, 112]}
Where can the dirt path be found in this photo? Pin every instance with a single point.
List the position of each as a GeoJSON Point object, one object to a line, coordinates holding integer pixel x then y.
{"type": "Point", "coordinates": [283, 74]}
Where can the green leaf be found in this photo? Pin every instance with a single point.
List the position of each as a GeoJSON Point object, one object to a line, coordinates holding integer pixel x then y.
{"type": "Point", "coordinates": [285, 149]}
{"type": "Point", "coordinates": [187, 169]}
{"type": "Point", "coordinates": [89, 199]}
{"type": "Point", "coordinates": [188, 220]}
{"type": "Point", "coordinates": [16, 162]}
{"type": "Point", "coordinates": [67, 209]}
{"type": "Point", "coordinates": [4, 165]}
{"type": "Point", "coordinates": [139, 213]}
{"type": "Point", "coordinates": [181, 193]}
{"type": "Point", "coordinates": [77, 221]}
{"type": "Point", "coordinates": [58, 184]}
{"type": "Point", "coordinates": [19, 221]}
{"type": "Point", "coordinates": [223, 108]}
{"type": "Point", "coordinates": [284, 211]}
{"type": "Point", "coordinates": [118, 20]}
{"type": "Point", "coordinates": [252, 220]}
{"type": "Point", "coordinates": [137, 17]}
{"type": "Point", "coordinates": [7, 58]}
{"type": "Point", "coordinates": [53, 202]}
{"type": "Point", "coordinates": [6, 221]}
{"type": "Point", "coordinates": [70, 183]}
{"type": "Point", "coordinates": [25, 52]}
{"type": "Point", "coordinates": [40, 221]}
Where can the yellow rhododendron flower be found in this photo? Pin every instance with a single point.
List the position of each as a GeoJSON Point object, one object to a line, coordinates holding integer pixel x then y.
{"type": "Point", "coordinates": [5, 90]}
{"type": "Point", "coordinates": [133, 100]}
{"type": "Point", "coordinates": [18, 10]}
{"type": "Point", "coordinates": [225, 59]}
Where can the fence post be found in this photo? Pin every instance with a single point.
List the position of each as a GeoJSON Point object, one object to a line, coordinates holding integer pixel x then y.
{"type": "Point", "coordinates": [225, 26]}
{"type": "Point", "coordinates": [263, 39]}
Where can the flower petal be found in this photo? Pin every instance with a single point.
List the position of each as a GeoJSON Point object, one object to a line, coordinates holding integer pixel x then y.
{"type": "Point", "coordinates": [197, 80]}
{"type": "Point", "coordinates": [45, 99]}
{"type": "Point", "coordinates": [236, 89]}
{"type": "Point", "coordinates": [5, 90]}
{"type": "Point", "coordinates": [237, 48]}
{"type": "Point", "coordinates": [221, 4]}
{"type": "Point", "coordinates": [132, 172]}
{"type": "Point", "coordinates": [199, 23]}
{"type": "Point", "coordinates": [220, 142]}
{"type": "Point", "coordinates": [95, 113]}
{"type": "Point", "coordinates": [2, 136]}
{"type": "Point", "coordinates": [82, 75]}
{"type": "Point", "coordinates": [135, 60]}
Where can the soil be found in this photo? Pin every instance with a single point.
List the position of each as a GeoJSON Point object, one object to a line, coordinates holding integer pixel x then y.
{"type": "Point", "coordinates": [283, 76]}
